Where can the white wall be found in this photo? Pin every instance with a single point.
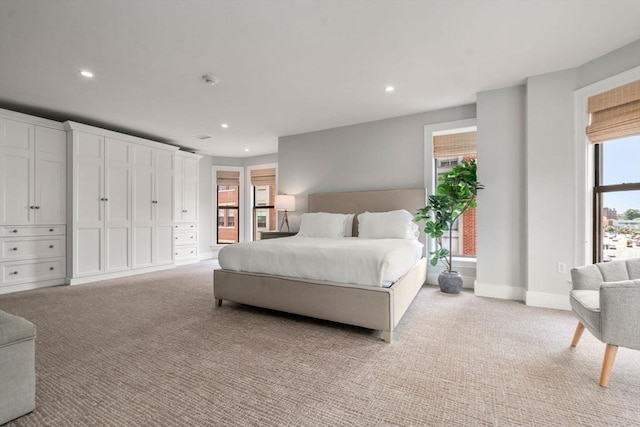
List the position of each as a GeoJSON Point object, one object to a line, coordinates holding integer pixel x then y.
{"type": "Point", "coordinates": [384, 154]}
{"type": "Point", "coordinates": [501, 245]}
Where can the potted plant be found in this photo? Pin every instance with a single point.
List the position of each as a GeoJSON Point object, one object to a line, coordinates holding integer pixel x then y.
{"type": "Point", "coordinates": [455, 194]}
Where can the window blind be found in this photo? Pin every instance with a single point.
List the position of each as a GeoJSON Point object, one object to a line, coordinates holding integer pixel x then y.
{"type": "Point", "coordinates": [263, 177]}
{"type": "Point", "coordinates": [614, 114]}
{"type": "Point", "coordinates": [228, 178]}
{"type": "Point", "coordinates": [454, 145]}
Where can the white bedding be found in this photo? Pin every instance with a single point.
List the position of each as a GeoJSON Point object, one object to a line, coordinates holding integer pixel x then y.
{"type": "Point", "coordinates": [369, 262]}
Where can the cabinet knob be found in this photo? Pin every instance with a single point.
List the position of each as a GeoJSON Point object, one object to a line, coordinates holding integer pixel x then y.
{"type": "Point", "coordinates": [51, 268]}
{"type": "Point", "coordinates": [191, 237]}
{"type": "Point", "coordinates": [14, 231]}
{"type": "Point", "coordinates": [50, 246]}
{"type": "Point", "coordinates": [13, 273]}
{"type": "Point", "coordinates": [176, 253]}
{"type": "Point", "coordinates": [37, 207]}
{"type": "Point", "coordinates": [192, 226]}
{"type": "Point", "coordinates": [191, 251]}
{"type": "Point", "coordinates": [51, 230]}
{"type": "Point", "coordinates": [13, 249]}
{"type": "Point", "coordinates": [176, 238]}
{"type": "Point", "coordinates": [106, 200]}
{"type": "Point", "coordinates": [184, 211]}
{"type": "Point", "coordinates": [32, 207]}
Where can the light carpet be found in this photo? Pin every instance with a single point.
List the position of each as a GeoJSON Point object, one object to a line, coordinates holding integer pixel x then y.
{"type": "Point", "coordinates": [152, 350]}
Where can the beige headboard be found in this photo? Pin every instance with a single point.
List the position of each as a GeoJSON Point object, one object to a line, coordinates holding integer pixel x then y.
{"type": "Point", "coordinates": [373, 201]}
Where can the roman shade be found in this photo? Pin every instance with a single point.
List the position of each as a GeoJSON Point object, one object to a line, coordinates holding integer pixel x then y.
{"type": "Point", "coordinates": [228, 178]}
{"type": "Point", "coordinates": [263, 177]}
{"type": "Point", "coordinates": [454, 145]}
{"type": "Point", "coordinates": [614, 114]}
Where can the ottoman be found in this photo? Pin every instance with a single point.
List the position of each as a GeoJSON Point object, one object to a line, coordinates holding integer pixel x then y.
{"type": "Point", "coordinates": [17, 367]}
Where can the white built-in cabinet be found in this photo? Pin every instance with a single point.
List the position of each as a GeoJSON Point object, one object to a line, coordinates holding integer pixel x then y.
{"type": "Point", "coordinates": [32, 202]}
{"type": "Point", "coordinates": [186, 207]}
{"type": "Point", "coordinates": [120, 206]}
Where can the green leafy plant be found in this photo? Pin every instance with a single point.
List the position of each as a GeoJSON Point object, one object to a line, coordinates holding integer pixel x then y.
{"type": "Point", "coordinates": [456, 194]}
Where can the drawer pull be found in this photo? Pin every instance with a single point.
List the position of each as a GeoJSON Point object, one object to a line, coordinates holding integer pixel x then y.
{"type": "Point", "coordinates": [13, 273]}
{"type": "Point", "coordinates": [37, 207]}
{"type": "Point", "coordinates": [176, 238]}
{"type": "Point", "coordinates": [50, 246]}
{"type": "Point", "coordinates": [32, 207]}
{"type": "Point", "coordinates": [191, 237]}
{"type": "Point", "coordinates": [192, 226]}
{"type": "Point", "coordinates": [191, 251]}
{"type": "Point", "coordinates": [184, 211]}
{"type": "Point", "coordinates": [51, 268]}
{"type": "Point", "coordinates": [13, 249]}
{"type": "Point", "coordinates": [176, 253]}
{"type": "Point", "coordinates": [14, 231]}
{"type": "Point", "coordinates": [51, 230]}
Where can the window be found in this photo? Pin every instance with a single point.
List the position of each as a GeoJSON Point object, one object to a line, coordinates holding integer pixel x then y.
{"type": "Point", "coordinates": [450, 148]}
{"type": "Point", "coordinates": [263, 181]}
{"type": "Point", "coordinates": [614, 128]}
{"type": "Point", "coordinates": [228, 200]}
{"type": "Point", "coordinates": [617, 199]}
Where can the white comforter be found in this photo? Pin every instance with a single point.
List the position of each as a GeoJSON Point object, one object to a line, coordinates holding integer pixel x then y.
{"type": "Point", "coordinates": [369, 262]}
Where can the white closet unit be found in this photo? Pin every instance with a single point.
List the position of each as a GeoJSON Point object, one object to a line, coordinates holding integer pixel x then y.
{"type": "Point", "coordinates": [115, 227]}
{"type": "Point", "coordinates": [32, 202]}
{"type": "Point", "coordinates": [186, 207]}
{"type": "Point", "coordinates": [153, 206]}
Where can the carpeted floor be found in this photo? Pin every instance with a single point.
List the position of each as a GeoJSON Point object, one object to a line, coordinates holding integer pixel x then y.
{"type": "Point", "coordinates": [153, 350]}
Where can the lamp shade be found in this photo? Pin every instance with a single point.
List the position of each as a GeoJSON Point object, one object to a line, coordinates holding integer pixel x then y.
{"type": "Point", "coordinates": [285, 202]}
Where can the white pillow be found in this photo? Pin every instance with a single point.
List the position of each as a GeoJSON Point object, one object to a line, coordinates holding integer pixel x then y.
{"type": "Point", "coordinates": [322, 224]}
{"type": "Point", "coordinates": [387, 225]}
{"type": "Point", "coordinates": [348, 225]}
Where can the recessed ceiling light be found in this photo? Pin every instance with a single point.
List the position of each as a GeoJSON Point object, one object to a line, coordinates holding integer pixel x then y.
{"type": "Point", "coordinates": [210, 80]}
{"type": "Point", "coordinates": [246, 149]}
{"type": "Point", "coordinates": [86, 73]}
{"type": "Point", "coordinates": [224, 125]}
{"type": "Point", "coordinates": [389, 89]}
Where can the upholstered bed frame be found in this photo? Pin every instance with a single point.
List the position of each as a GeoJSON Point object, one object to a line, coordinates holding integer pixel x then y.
{"type": "Point", "coordinates": [369, 307]}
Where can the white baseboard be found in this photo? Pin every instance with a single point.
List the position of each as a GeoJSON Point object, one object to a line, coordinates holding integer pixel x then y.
{"type": "Point", "coordinates": [538, 299]}
{"type": "Point", "coordinates": [499, 291]}
{"type": "Point", "coordinates": [206, 255]}
{"type": "Point", "coordinates": [98, 277]}
{"type": "Point", "coordinates": [30, 286]}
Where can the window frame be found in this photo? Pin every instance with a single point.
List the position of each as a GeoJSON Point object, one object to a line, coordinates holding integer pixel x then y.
{"type": "Point", "coordinates": [241, 203]}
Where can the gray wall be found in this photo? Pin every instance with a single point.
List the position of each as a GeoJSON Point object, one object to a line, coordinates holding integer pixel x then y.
{"type": "Point", "coordinates": [501, 244]}
{"type": "Point", "coordinates": [376, 155]}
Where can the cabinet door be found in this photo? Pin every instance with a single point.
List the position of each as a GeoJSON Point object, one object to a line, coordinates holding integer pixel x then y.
{"type": "Point", "coordinates": [17, 155]}
{"type": "Point", "coordinates": [164, 208]}
{"type": "Point", "coordinates": [191, 185]}
{"type": "Point", "coordinates": [117, 205]}
{"type": "Point", "coordinates": [88, 204]}
{"type": "Point", "coordinates": [50, 176]}
{"type": "Point", "coordinates": [143, 206]}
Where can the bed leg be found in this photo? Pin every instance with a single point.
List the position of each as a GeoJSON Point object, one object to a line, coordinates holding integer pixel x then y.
{"type": "Point", "coordinates": [218, 302]}
{"type": "Point", "coordinates": [386, 336]}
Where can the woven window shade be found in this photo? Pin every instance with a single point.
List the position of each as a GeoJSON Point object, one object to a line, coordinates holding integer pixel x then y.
{"type": "Point", "coordinates": [615, 113]}
{"type": "Point", "coordinates": [263, 177]}
{"type": "Point", "coordinates": [454, 145]}
{"type": "Point", "coordinates": [228, 178]}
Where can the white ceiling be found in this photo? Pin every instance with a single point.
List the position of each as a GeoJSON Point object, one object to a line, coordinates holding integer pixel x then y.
{"type": "Point", "coordinates": [285, 67]}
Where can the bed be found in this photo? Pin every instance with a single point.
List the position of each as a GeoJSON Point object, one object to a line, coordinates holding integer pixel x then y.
{"type": "Point", "coordinates": [379, 308]}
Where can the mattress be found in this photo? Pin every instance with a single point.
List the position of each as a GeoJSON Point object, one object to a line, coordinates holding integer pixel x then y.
{"type": "Point", "coordinates": [367, 262]}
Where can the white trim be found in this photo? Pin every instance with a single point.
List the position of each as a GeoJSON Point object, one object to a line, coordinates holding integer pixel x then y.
{"type": "Point", "coordinates": [32, 120]}
{"type": "Point", "coordinates": [116, 275]}
{"type": "Point", "coordinates": [249, 213]}
{"type": "Point", "coordinates": [499, 291]}
{"type": "Point", "coordinates": [539, 299]}
{"type": "Point", "coordinates": [7, 289]}
{"type": "Point", "coordinates": [206, 255]}
{"type": "Point", "coordinates": [214, 202]}
{"type": "Point", "coordinates": [583, 154]}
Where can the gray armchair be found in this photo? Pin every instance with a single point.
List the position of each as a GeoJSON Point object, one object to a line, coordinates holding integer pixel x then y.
{"type": "Point", "coordinates": [606, 300]}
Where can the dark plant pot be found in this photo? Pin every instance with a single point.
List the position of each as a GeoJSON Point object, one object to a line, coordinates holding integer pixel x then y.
{"type": "Point", "coordinates": [450, 283]}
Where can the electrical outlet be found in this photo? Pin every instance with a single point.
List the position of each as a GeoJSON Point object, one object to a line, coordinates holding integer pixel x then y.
{"type": "Point", "coordinates": [562, 267]}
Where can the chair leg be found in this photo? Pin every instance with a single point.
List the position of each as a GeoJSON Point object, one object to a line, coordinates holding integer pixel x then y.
{"type": "Point", "coordinates": [607, 364]}
{"type": "Point", "coordinates": [577, 334]}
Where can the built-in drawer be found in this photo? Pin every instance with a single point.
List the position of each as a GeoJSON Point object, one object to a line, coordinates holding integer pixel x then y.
{"type": "Point", "coordinates": [16, 272]}
{"type": "Point", "coordinates": [186, 252]}
{"type": "Point", "coordinates": [15, 248]}
{"type": "Point", "coordinates": [22, 231]}
{"type": "Point", "coordinates": [185, 237]}
{"type": "Point", "coordinates": [186, 226]}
